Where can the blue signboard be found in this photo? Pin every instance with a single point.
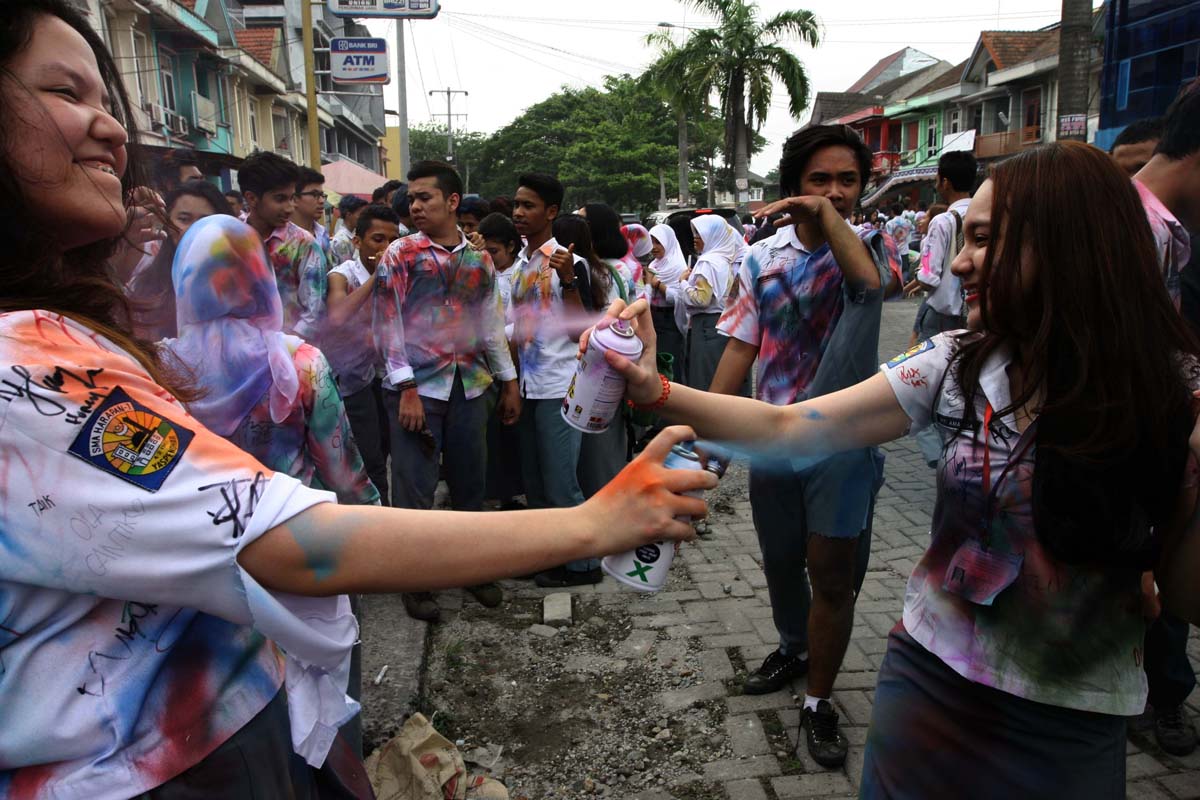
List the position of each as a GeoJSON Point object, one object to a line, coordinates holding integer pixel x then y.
{"type": "Point", "coordinates": [395, 9]}
{"type": "Point", "coordinates": [355, 59]}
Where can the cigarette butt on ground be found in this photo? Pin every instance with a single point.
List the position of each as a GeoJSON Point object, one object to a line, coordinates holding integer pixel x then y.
{"type": "Point", "coordinates": [379, 678]}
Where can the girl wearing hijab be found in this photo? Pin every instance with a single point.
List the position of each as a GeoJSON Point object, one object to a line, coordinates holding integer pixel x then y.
{"type": "Point", "coordinates": [638, 239]}
{"type": "Point", "coordinates": [662, 274]}
{"type": "Point", "coordinates": [269, 393]}
{"type": "Point", "coordinates": [699, 298]}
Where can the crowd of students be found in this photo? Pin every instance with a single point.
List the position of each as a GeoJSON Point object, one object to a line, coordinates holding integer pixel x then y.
{"type": "Point", "coordinates": [210, 400]}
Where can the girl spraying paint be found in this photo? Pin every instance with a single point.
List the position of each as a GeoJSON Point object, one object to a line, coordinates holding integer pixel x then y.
{"type": "Point", "coordinates": [1016, 661]}
{"type": "Point", "coordinates": [176, 621]}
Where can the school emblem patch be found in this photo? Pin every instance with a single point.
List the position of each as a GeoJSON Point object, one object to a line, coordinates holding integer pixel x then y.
{"type": "Point", "coordinates": [126, 439]}
{"type": "Point", "coordinates": [913, 351]}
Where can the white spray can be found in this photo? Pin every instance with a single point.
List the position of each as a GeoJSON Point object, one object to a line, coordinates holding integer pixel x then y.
{"type": "Point", "coordinates": [597, 390]}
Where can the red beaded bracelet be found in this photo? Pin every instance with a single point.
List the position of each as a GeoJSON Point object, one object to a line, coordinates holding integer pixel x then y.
{"type": "Point", "coordinates": [657, 404]}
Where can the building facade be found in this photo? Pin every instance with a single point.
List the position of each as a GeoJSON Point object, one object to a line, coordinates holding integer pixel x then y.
{"type": "Point", "coordinates": [225, 79]}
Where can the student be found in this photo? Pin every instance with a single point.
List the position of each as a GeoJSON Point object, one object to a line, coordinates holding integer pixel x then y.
{"type": "Point", "coordinates": [1169, 185]}
{"type": "Point", "coordinates": [310, 211]}
{"type": "Point", "coordinates": [807, 309]}
{"type": "Point", "coordinates": [549, 306]}
{"type": "Point", "coordinates": [269, 184]}
{"type": "Point", "coordinates": [470, 212]}
{"type": "Point", "coordinates": [237, 203]}
{"type": "Point", "coordinates": [943, 310]}
{"type": "Point", "coordinates": [350, 343]}
{"type": "Point", "coordinates": [439, 322]}
{"type": "Point", "coordinates": [399, 203]}
{"type": "Point", "coordinates": [159, 606]}
{"type": "Point", "coordinates": [601, 455]}
{"type": "Point", "coordinates": [177, 166]}
{"type": "Point", "coordinates": [1134, 145]}
{"type": "Point", "coordinates": [341, 245]}
{"type": "Point", "coordinates": [1016, 662]}
{"type": "Point", "coordinates": [900, 227]}
{"type": "Point", "coordinates": [662, 273]}
{"type": "Point", "coordinates": [611, 246]}
{"type": "Point", "coordinates": [151, 293]}
{"type": "Point", "coordinates": [699, 298]}
{"type": "Point", "coordinates": [498, 236]}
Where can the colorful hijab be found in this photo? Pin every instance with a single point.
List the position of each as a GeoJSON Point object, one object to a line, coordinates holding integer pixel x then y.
{"type": "Point", "coordinates": [230, 318]}
{"type": "Point", "coordinates": [638, 239]}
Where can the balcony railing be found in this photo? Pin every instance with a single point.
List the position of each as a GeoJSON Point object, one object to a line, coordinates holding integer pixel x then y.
{"type": "Point", "coordinates": [1002, 144]}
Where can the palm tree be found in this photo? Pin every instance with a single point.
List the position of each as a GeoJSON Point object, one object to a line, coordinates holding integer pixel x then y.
{"type": "Point", "coordinates": [667, 77]}
{"type": "Point", "coordinates": [738, 59]}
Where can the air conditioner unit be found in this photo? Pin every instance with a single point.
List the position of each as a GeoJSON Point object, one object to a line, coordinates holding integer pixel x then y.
{"type": "Point", "coordinates": [177, 123]}
{"type": "Point", "coordinates": [155, 114]}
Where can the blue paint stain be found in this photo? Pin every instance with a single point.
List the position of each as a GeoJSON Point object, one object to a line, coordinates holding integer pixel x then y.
{"type": "Point", "coordinates": [322, 550]}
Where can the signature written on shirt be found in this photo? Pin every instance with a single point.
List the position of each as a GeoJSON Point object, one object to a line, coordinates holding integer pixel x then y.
{"type": "Point", "coordinates": [239, 498]}
{"type": "Point", "coordinates": [42, 395]}
{"type": "Point", "coordinates": [135, 627]}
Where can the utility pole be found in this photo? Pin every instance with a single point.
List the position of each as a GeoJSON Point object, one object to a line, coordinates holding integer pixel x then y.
{"type": "Point", "coordinates": [310, 85]}
{"type": "Point", "coordinates": [449, 118]}
{"type": "Point", "coordinates": [402, 99]}
{"type": "Point", "coordinates": [1074, 55]}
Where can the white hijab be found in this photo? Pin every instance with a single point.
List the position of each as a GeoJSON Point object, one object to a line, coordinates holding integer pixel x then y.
{"type": "Point", "coordinates": [672, 265]}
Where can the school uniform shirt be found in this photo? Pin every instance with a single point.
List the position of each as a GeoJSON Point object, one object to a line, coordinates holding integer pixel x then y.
{"type": "Point", "coordinates": [437, 313]}
{"type": "Point", "coordinates": [341, 246]}
{"type": "Point", "coordinates": [1068, 636]}
{"type": "Point", "coordinates": [1171, 240]}
{"type": "Point", "coordinates": [504, 281]}
{"type": "Point", "coordinates": [937, 247]}
{"type": "Point", "coordinates": [313, 443]}
{"type": "Point", "coordinates": [788, 301]}
{"type": "Point", "coordinates": [321, 234]}
{"type": "Point", "coordinates": [547, 354]}
{"type": "Point", "coordinates": [350, 348]}
{"type": "Point", "coordinates": [300, 272]}
{"type": "Point", "coordinates": [132, 643]}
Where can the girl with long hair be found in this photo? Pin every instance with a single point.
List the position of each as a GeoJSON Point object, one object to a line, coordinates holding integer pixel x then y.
{"type": "Point", "coordinates": [1065, 472]}
{"type": "Point", "coordinates": [176, 620]}
{"type": "Point", "coordinates": [612, 247]}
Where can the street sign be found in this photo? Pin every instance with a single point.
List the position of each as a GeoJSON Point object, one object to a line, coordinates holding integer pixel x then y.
{"type": "Point", "coordinates": [354, 59]}
{"type": "Point", "coordinates": [741, 184]}
{"type": "Point", "coordinates": [1072, 125]}
{"type": "Point", "coordinates": [394, 9]}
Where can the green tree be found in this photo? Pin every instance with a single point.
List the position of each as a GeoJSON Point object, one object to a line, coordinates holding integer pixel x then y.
{"type": "Point", "coordinates": [738, 59]}
{"type": "Point", "coordinates": [604, 145]}
{"type": "Point", "coordinates": [428, 143]}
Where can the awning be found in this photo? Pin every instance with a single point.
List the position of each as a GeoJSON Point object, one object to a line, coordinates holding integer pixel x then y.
{"type": "Point", "coordinates": [345, 177]}
{"type": "Point", "coordinates": [904, 176]}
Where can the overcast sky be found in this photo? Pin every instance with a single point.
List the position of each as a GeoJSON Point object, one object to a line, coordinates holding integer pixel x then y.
{"type": "Point", "coordinates": [510, 55]}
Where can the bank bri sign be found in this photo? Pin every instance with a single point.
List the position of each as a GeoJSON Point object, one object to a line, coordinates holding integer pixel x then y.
{"type": "Point", "coordinates": [355, 59]}
{"type": "Point", "coordinates": [395, 9]}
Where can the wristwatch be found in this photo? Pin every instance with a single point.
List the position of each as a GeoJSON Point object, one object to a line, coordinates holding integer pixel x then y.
{"type": "Point", "coordinates": [567, 286]}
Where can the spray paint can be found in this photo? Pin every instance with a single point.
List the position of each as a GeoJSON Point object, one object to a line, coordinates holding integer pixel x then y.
{"type": "Point", "coordinates": [597, 390]}
{"type": "Point", "coordinates": [646, 568]}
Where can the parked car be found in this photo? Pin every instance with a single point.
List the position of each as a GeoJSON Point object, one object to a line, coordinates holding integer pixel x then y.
{"type": "Point", "coordinates": [680, 220]}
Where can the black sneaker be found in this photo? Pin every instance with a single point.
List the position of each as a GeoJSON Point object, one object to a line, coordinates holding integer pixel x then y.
{"type": "Point", "coordinates": [421, 605]}
{"type": "Point", "coordinates": [826, 744]}
{"type": "Point", "coordinates": [489, 595]}
{"type": "Point", "coordinates": [561, 577]}
{"type": "Point", "coordinates": [775, 673]}
{"type": "Point", "coordinates": [1174, 731]}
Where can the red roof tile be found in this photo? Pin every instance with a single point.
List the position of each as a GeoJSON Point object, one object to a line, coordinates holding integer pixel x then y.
{"type": "Point", "coordinates": [259, 43]}
{"type": "Point", "coordinates": [1009, 48]}
{"type": "Point", "coordinates": [875, 71]}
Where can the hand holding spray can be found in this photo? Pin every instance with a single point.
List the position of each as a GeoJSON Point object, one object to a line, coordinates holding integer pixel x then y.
{"type": "Point", "coordinates": [597, 390]}
{"type": "Point", "coordinates": [645, 568]}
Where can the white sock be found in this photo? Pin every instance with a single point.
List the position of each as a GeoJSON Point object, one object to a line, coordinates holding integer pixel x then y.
{"type": "Point", "coordinates": [810, 702]}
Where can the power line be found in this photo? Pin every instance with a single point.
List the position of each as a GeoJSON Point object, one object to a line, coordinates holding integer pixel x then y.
{"type": "Point", "coordinates": [420, 72]}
